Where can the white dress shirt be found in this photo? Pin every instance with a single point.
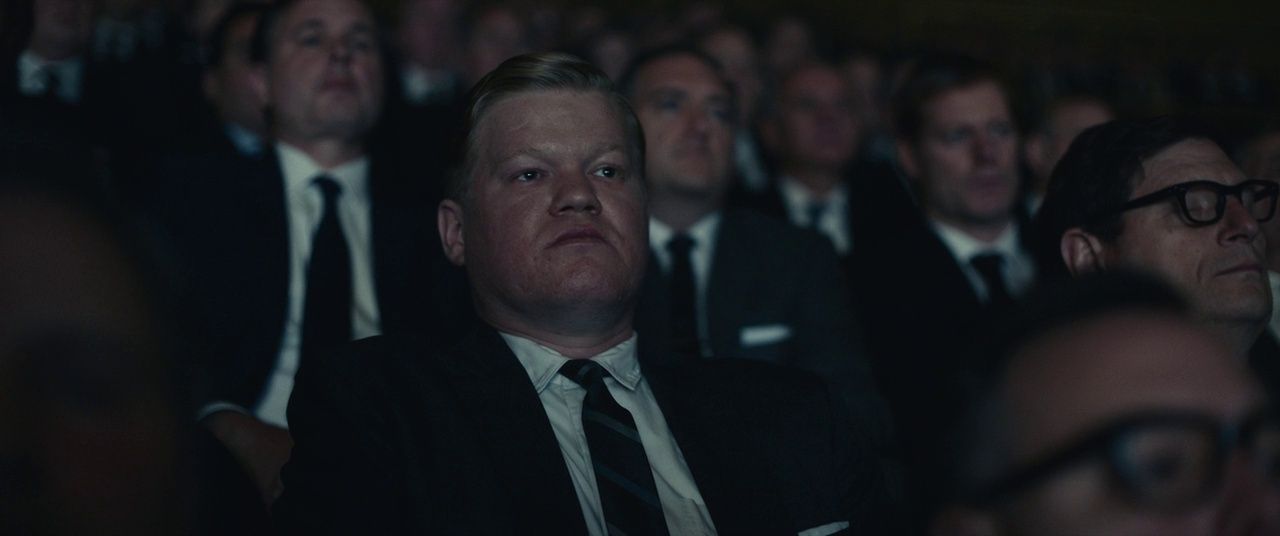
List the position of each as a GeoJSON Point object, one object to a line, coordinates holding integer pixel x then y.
{"type": "Point", "coordinates": [834, 221]}
{"type": "Point", "coordinates": [562, 398]}
{"type": "Point", "coordinates": [703, 234]}
{"type": "Point", "coordinates": [33, 80]}
{"type": "Point", "coordinates": [1018, 269]}
{"type": "Point", "coordinates": [306, 206]}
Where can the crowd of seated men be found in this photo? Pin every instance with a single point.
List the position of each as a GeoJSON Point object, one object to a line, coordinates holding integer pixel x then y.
{"type": "Point", "coordinates": [285, 267]}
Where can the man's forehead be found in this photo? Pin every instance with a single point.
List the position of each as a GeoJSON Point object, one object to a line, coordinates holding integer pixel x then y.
{"type": "Point", "coordinates": [537, 123]}
{"type": "Point", "coordinates": [679, 72]}
{"type": "Point", "coordinates": [1121, 363]}
{"type": "Point", "coordinates": [354, 13]}
{"type": "Point", "coordinates": [1187, 160]}
{"type": "Point", "coordinates": [978, 100]}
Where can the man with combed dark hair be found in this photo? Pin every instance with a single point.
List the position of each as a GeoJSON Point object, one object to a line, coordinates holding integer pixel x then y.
{"type": "Point", "coordinates": [1158, 195]}
{"type": "Point", "coordinates": [314, 244]}
{"type": "Point", "coordinates": [544, 421]}
{"type": "Point", "coordinates": [1112, 411]}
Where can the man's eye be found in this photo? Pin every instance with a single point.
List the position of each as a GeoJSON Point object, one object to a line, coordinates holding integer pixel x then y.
{"type": "Point", "coordinates": [528, 175]}
{"type": "Point", "coordinates": [310, 40]}
{"type": "Point", "coordinates": [609, 172]}
{"type": "Point", "coordinates": [1002, 129]}
{"type": "Point", "coordinates": [955, 136]}
{"type": "Point", "coordinates": [361, 43]}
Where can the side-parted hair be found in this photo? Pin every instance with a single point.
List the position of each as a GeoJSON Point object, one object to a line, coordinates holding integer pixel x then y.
{"type": "Point", "coordinates": [1096, 176]}
{"type": "Point", "coordinates": [931, 76]}
{"type": "Point", "coordinates": [545, 71]}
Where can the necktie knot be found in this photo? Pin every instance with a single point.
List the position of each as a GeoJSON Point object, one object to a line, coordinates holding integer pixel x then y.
{"type": "Point", "coordinates": [329, 188]}
{"type": "Point", "coordinates": [584, 372]}
{"type": "Point", "coordinates": [816, 210]}
{"type": "Point", "coordinates": [988, 263]}
{"type": "Point", "coordinates": [990, 267]}
{"type": "Point", "coordinates": [680, 245]}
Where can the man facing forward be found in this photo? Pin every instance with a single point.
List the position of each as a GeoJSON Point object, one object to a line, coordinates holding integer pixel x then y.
{"type": "Point", "coordinates": [544, 422]}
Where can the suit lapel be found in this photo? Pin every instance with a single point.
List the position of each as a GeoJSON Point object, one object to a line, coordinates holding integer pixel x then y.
{"type": "Point", "coordinates": [517, 435]}
{"type": "Point", "coordinates": [726, 283]}
{"type": "Point", "coordinates": [727, 468]}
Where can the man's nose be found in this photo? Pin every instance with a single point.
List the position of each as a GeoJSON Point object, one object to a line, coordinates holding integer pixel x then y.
{"type": "Point", "coordinates": [985, 147]}
{"type": "Point", "coordinates": [340, 50]}
{"type": "Point", "coordinates": [1237, 222]}
{"type": "Point", "coordinates": [574, 193]}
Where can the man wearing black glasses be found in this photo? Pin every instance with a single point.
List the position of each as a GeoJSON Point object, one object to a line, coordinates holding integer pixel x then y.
{"type": "Point", "coordinates": [1114, 412]}
{"type": "Point", "coordinates": [1159, 196]}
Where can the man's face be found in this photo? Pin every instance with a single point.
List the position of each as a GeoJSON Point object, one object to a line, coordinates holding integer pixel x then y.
{"type": "Point", "coordinates": [324, 74]}
{"type": "Point", "coordinates": [1219, 267]}
{"type": "Point", "coordinates": [1079, 379]}
{"type": "Point", "coordinates": [554, 219]}
{"type": "Point", "coordinates": [814, 126]}
{"type": "Point", "coordinates": [229, 85]}
{"type": "Point", "coordinates": [964, 163]}
{"type": "Point", "coordinates": [687, 116]}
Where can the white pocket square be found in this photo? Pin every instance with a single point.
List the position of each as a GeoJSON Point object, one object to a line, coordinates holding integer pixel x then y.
{"type": "Point", "coordinates": [766, 334]}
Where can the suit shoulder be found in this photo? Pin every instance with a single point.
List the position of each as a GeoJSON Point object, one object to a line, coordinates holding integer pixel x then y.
{"type": "Point", "coordinates": [765, 231]}
{"type": "Point", "coordinates": [748, 378]}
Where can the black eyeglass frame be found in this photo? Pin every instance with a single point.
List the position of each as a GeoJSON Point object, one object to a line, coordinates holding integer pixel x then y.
{"type": "Point", "coordinates": [1267, 190]}
{"type": "Point", "coordinates": [1107, 444]}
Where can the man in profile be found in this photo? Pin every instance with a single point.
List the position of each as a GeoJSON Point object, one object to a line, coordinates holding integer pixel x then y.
{"type": "Point", "coordinates": [544, 421]}
{"type": "Point", "coordinates": [1159, 196]}
{"type": "Point", "coordinates": [1114, 412]}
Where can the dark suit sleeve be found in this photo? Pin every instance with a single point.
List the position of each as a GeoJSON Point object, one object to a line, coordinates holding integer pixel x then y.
{"type": "Point", "coordinates": [339, 476]}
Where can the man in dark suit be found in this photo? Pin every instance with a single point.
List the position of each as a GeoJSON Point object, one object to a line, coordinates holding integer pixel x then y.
{"type": "Point", "coordinates": [727, 282]}
{"type": "Point", "coordinates": [311, 246]}
{"type": "Point", "coordinates": [928, 287]}
{"type": "Point", "coordinates": [545, 421]}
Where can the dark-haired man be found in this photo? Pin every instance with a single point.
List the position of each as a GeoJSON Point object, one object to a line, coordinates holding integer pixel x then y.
{"type": "Point", "coordinates": [731, 283]}
{"type": "Point", "coordinates": [929, 284]}
{"type": "Point", "coordinates": [544, 421]}
{"type": "Point", "coordinates": [1159, 195]}
{"type": "Point", "coordinates": [311, 246]}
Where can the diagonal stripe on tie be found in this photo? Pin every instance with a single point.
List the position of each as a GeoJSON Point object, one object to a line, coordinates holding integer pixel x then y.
{"type": "Point", "coordinates": [628, 495]}
{"type": "Point", "coordinates": [612, 424]}
{"type": "Point", "coordinates": [626, 484]}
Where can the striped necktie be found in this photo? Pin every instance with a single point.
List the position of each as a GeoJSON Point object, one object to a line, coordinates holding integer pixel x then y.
{"type": "Point", "coordinates": [628, 495]}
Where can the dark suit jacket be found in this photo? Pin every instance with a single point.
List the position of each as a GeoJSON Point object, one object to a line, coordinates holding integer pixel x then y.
{"type": "Point", "coordinates": [394, 438]}
{"type": "Point", "coordinates": [223, 218]}
{"type": "Point", "coordinates": [766, 276]}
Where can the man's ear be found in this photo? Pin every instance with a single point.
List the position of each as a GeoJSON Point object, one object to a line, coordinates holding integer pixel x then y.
{"type": "Point", "coordinates": [960, 521]}
{"type": "Point", "coordinates": [1081, 252]}
{"type": "Point", "coordinates": [907, 159]}
{"type": "Point", "coordinates": [449, 224]}
{"type": "Point", "coordinates": [258, 79]}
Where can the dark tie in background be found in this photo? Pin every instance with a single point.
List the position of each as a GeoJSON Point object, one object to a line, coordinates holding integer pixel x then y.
{"type": "Point", "coordinates": [326, 317]}
{"type": "Point", "coordinates": [628, 495]}
{"type": "Point", "coordinates": [991, 267]}
{"type": "Point", "coordinates": [816, 210]}
{"type": "Point", "coordinates": [684, 302]}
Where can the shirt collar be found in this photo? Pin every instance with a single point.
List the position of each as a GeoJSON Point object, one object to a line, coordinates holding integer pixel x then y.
{"type": "Point", "coordinates": [300, 169]}
{"type": "Point", "coordinates": [799, 195]}
{"type": "Point", "coordinates": [965, 247]}
{"type": "Point", "coordinates": [703, 232]}
{"type": "Point", "coordinates": [543, 363]}
{"type": "Point", "coordinates": [1274, 277]}
{"type": "Point", "coordinates": [31, 65]}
